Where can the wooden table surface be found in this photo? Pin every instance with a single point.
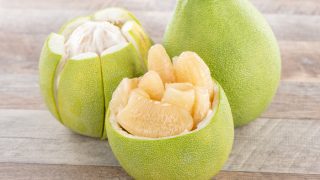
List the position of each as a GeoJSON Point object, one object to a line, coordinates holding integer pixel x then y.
{"type": "Point", "coordinates": [284, 143]}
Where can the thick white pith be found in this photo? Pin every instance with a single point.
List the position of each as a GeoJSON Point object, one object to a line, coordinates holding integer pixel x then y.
{"type": "Point", "coordinates": [209, 117]}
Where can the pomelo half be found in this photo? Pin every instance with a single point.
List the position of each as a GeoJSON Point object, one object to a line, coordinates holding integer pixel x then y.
{"type": "Point", "coordinates": [81, 66]}
{"type": "Point", "coordinates": [161, 139]}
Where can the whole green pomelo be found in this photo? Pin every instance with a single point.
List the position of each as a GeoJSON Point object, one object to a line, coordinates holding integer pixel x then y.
{"type": "Point", "coordinates": [199, 154]}
{"type": "Point", "coordinates": [237, 44]}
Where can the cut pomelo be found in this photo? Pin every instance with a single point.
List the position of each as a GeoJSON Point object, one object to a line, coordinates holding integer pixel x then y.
{"type": "Point", "coordinates": [81, 66]}
{"type": "Point", "coordinates": [197, 154]}
{"type": "Point", "coordinates": [152, 84]}
{"type": "Point", "coordinates": [177, 135]}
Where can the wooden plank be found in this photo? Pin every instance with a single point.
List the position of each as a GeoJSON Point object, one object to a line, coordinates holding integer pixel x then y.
{"type": "Point", "coordinates": [294, 100]}
{"type": "Point", "coordinates": [286, 27]}
{"type": "Point", "coordinates": [16, 171]}
{"type": "Point", "coordinates": [19, 171]}
{"type": "Point", "coordinates": [235, 175]}
{"type": "Point", "coordinates": [300, 60]}
{"type": "Point", "coordinates": [267, 145]}
{"type": "Point", "coordinates": [310, 7]}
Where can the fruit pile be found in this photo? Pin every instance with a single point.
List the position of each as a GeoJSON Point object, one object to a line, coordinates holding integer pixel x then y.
{"type": "Point", "coordinates": [164, 118]}
{"type": "Point", "coordinates": [168, 100]}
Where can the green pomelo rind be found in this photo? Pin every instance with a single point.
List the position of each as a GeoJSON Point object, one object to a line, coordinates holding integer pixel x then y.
{"type": "Point", "coordinates": [113, 72]}
{"type": "Point", "coordinates": [80, 96]}
{"type": "Point", "coordinates": [196, 155]}
{"type": "Point", "coordinates": [141, 41]}
{"type": "Point", "coordinates": [116, 13]}
{"type": "Point", "coordinates": [49, 59]}
{"type": "Point", "coordinates": [237, 44]}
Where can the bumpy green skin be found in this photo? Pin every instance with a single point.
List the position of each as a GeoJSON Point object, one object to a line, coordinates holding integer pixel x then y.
{"type": "Point", "coordinates": [237, 44]}
{"type": "Point", "coordinates": [81, 98]}
{"type": "Point", "coordinates": [198, 155]}
{"type": "Point", "coordinates": [48, 63]}
{"type": "Point", "coordinates": [86, 85]}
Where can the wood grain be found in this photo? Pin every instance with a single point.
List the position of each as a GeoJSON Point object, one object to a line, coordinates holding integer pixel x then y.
{"type": "Point", "coordinates": [310, 7]}
{"type": "Point", "coordinates": [58, 172]}
{"type": "Point", "coordinates": [294, 100]}
{"type": "Point", "coordinates": [267, 145]}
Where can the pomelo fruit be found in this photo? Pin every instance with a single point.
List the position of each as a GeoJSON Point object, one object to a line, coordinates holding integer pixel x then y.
{"type": "Point", "coordinates": [81, 66]}
{"type": "Point", "coordinates": [236, 43]}
{"type": "Point", "coordinates": [161, 139]}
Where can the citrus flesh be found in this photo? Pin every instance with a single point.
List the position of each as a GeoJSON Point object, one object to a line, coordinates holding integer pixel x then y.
{"type": "Point", "coordinates": [169, 109]}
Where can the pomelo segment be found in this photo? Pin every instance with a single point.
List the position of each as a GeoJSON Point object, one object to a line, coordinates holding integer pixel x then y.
{"type": "Point", "coordinates": [147, 118]}
{"type": "Point", "coordinates": [199, 154]}
{"type": "Point", "coordinates": [201, 104]}
{"type": "Point", "coordinates": [159, 61]}
{"type": "Point", "coordinates": [51, 54]}
{"type": "Point", "coordinates": [180, 94]}
{"type": "Point", "coordinates": [189, 67]}
{"type": "Point", "coordinates": [152, 84]}
{"type": "Point", "coordinates": [80, 95]}
{"type": "Point", "coordinates": [121, 95]}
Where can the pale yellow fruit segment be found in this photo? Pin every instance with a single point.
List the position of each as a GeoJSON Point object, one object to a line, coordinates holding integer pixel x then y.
{"type": "Point", "coordinates": [159, 61]}
{"type": "Point", "coordinates": [180, 94]}
{"type": "Point", "coordinates": [121, 95]}
{"type": "Point", "coordinates": [201, 105]}
{"type": "Point", "coordinates": [152, 84]}
{"type": "Point", "coordinates": [148, 118]}
{"type": "Point", "coordinates": [180, 86]}
{"type": "Point", "coordinates": [189, 67]}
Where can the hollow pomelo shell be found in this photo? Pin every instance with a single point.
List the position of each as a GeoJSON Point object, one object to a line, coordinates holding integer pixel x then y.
{"type": "Point", "coordinates": [236, 43]}
{"type": "Point", "coordinates": [196, 155]}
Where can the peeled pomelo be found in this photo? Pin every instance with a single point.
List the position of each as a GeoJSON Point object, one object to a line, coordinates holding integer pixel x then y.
{"type": "Point", "coordinates": [236, 43]}
{"type": "Point", "coordinates": [82, 65]}
{"type": "Point", "coordinates": [158, 139]}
